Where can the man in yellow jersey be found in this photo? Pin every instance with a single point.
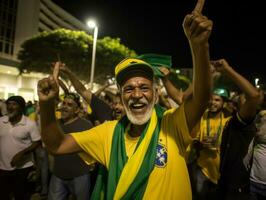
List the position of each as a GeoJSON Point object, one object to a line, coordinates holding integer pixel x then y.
{"type": "Point", "coordinates": [143, 152]}
{"type": "Point", "coordinates": [209, 133]}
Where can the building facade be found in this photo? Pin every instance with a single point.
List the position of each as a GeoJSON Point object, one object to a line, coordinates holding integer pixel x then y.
{"type": "Point", "coordinates": [19, 21]}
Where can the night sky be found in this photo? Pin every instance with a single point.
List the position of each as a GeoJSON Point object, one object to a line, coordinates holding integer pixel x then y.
{"type": "Point", "coordinates": [238, 35]}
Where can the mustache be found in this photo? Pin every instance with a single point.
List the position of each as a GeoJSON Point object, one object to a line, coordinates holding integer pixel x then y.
{"type": "Point", "coordinates": [142, 101]}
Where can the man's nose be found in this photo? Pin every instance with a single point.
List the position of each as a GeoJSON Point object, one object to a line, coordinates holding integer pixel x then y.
{"type": "Point", "coordinates": [62, 106]}
{"type": "Point", "coordinates": [137, 93]}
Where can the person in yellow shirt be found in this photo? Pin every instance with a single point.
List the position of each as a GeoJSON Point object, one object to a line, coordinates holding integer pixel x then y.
{"type": "Point", "coordinates": [208, 134]}
{"type": "Point", "coordinates": [143, 152]}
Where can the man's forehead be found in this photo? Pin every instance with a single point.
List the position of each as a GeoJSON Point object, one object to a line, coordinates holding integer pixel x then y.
{"type": "Point", "coordinates": [12, 102]}
{"type": "Point", "coordinates": [69, 100]}
{"type": "Point", "coordinates": [137, 80]}
{"type": "Point", "coordinates": [215, 96]}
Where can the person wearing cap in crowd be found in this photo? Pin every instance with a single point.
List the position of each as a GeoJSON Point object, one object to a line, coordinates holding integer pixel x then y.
{"type": "Point", "coordinates": [99, 110]}
{"type": "Point", "coordinates": [70, 174]}
{"type": "Point", "coordinates": [19, 137]}
{"type": "Point", "coordinates": [204, 167]}
{"type": "Point", "coordinates": [233, 183]}
{"type": "Point", "coordinates": [143, 152]}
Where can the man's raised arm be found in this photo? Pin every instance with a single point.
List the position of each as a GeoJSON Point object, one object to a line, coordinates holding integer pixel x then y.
{"type": "Point", "coordinates": [249, 109]}
{"type": "Point", "coordinates": [79, 87]}
{"type": "Point", "coordinates": [52, 136]}
{"type": "Point", "coordinates": [197, 29]}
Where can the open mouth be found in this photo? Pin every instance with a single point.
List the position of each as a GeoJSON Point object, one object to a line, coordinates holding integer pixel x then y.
{"type": "Point", "coordinates": [118, 112]}
{"type": "Point", "coordinates": [137, 107]}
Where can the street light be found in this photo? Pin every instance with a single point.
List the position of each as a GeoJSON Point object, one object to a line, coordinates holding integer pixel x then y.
{"type": "Point", "coordinates": [92, 24]}
{"type": "Point", "coordinates": [257, 82]}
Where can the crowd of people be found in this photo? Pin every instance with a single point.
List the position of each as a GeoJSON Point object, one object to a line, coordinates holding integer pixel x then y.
{"type": "Point", "coordinates": [139, 142]}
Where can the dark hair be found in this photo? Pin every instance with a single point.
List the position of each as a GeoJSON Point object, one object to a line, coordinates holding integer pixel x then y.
{"type": "Point", "coordinates": [73, 96]}
{"type": "Point", "coordinates": [19, 100]}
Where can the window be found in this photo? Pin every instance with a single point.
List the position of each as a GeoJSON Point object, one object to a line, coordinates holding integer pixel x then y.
{"type": "Point", "coordinates": [6, 48]}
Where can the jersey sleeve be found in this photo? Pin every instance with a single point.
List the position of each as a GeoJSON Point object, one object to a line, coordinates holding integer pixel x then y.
{"type": "Point", "coordinates": [96, 142]}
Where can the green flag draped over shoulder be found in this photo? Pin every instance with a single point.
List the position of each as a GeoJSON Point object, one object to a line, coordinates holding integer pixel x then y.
{"type": "Point", "coordinates": [108, 181]}
{"type": "Point", "coordinates": [156, 61]}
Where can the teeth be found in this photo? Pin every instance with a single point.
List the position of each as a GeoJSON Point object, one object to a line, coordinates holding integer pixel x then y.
{"type": "Point", "coordinates": [136, 105]}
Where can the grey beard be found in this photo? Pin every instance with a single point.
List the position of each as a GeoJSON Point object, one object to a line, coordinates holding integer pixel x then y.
{"type": "Point", "coordinates": [143, 119]}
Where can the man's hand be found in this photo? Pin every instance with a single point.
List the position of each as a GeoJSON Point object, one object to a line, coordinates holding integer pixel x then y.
{"type": "Point", "coordinates": [63, 68]}
{"type": "Point", "coordinates": [17, 160]}
{"type": "Point", "coordinates": [197, 27]}
{"type": "Point", "coordinates": [56, 72]}
{"type": "Point", "coordinates": [215, 74]}
{"type": "Point", "coordinates": [165, 71]}
{"type": "Point", "coordinates": [59, 67]}
{"type": "Point", "coordinates": [47, 89]}
{"type": "Point", "coordinates": [199, 6]}
{"type": "Point", "coordinates": [220, 65]}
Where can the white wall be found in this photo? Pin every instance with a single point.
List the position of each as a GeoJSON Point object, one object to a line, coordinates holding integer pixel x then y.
{"type": "Point", "coordinates": [24, 85]}
{"type": "Point", "coordinates": [26, 22]}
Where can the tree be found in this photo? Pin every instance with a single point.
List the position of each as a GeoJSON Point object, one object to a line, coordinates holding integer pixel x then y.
{"type": "Point", "coordinates": [73, 48]}
{"type": "Point", "coordinates": [109, 53]}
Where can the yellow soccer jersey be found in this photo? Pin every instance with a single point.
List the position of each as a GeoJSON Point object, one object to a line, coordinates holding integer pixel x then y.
{"type": "Point", "coordinates": [209, 159]}
{"type": "Point", "coordinates": [32, 116]}
{"type": "Point", "coordinates": [169, 178]}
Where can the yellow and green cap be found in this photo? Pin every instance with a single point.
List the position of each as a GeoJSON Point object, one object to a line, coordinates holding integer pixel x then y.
{"type": "Point", "coordinates": [131, 67]}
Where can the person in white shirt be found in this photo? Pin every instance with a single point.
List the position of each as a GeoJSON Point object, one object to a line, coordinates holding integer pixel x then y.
{"type": "Point", "coordinates": [19, 137]}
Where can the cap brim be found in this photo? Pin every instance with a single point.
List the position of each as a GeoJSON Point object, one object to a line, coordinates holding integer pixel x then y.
{"type": "Point", "coordinates": [132, 70]}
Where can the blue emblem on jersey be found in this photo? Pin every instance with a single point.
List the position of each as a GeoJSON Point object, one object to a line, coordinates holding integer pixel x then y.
{"type": "Point", "coordinates": [161, 156]}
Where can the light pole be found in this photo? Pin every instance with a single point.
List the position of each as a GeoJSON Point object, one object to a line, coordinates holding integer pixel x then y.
{"type": "Point", "coordinates": [92, 24]}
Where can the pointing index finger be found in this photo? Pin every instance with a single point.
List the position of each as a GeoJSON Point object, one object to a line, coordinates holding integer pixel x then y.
{"type": "Point", "coordinates": [56, 71]}
{"type": "Point", "coordinates": [199, 6]}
